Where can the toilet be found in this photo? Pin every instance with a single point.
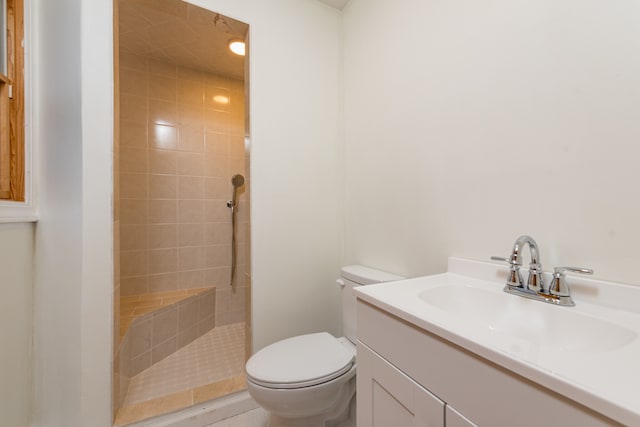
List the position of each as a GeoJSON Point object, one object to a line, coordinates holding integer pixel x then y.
{"type": "Point", "coordinates": [309, 380]}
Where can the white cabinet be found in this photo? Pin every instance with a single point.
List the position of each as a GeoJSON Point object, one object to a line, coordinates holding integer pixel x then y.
{"type": "Point", "coordinates": [387, 397]}
{"type": "Point", "coordinates": [411, 377]}
{"type": "Point", "coordinates": [456, 419]}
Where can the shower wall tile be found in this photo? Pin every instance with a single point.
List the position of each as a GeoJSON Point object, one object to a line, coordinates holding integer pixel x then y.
{"type": "Point", "coordinates": [193, 279]}
{"type": "Point", "coordinates": [181, 139]}
{"type": "Point", "coordinates": [163, 186]}
{"type": "Point", "coordinates": [163, 88]}
{"type": "Point", "coordinates": [191, 164]}
{"type": "Point", "coordinates": [134, 237]}
{"type": "Point", "coordinates": [163, 136]}
{"type": "Point", "coordinates": [163, 261]}
{"type": "Point", "coordinates": [133, 135]}
{"type": "Point", "coordinates": [191, 234]}
{"type": "Point", "coordinates": [163, 112]}
{"type": "Point", "coordinates": [133, 108]}
{"type": "Point", "coordinates": [163, 282]}
{"type": "Point", "coordinates": [163, 161]}
{"type": "Point", "coordinates": [162, 236]}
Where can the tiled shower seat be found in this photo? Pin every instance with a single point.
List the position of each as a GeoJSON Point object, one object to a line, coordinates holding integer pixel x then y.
{"type": "Point", "coordinates": [155, 326]}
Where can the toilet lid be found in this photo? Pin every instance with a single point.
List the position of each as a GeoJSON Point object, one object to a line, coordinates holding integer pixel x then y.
{"type": "Point", "coordinates": [300, 361]}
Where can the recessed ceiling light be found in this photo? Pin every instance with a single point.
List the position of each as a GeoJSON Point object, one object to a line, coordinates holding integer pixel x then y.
{"type": "Point", "coordinates": [237, 47]}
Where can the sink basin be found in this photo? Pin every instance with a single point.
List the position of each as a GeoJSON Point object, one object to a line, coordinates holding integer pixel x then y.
{"type": "Point", "coordinates": [527, 324]}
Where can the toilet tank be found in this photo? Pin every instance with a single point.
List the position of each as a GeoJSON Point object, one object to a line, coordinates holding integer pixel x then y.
{"type": "Point", "coordinates": [357, 275]}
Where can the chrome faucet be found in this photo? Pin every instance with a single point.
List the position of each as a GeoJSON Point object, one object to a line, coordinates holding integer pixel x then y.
{"type": "Point", "coordinates": [535, 288]}
{"type": "Point", "coordinates": [535, 282]}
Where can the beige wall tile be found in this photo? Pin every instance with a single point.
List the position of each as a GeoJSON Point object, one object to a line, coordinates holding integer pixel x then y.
{"type": "Point", "coordinates": [218, 188]}
{"type": "Point", "coordinates": [187, 313]}
{"type": "Point", "coordinates": [162, 236]}
{"type": "Point", "coordinates": [190, 92]}
{"type": "Point", "coordinates": [236, 146]}
{"type": "Point", "coordinates": [191, 115]}
{"type": "Point", "coordinates": [162, 87]}
{"type": "Point", "coordinates": [187, 335]}
{"type": "Point", "coordinates": [163, 261]}
{"type": "Point", "coordinates": [217, 143]}
{"type": "Point", "coordinates": [163, 212]}
{"type": "Point", "coordinates": [163, 282]}
{"type": "Point", "coordinates": [190, 211]}
{"type": "Point", "coordinates": [190, 258]}
{"type": "Point", "coordinates": [163, 161]}
{"type": "Point", "coordinates": [133, 185]}
{"type": "Point", "coordinates": [218, 255]}
{"type": "Point", "coordinates": [134, 285]}
{"type": "Point", "coordinates": [133, 108]}
{"type": "Point", "coordinates": [207, 304]}
{"type": "Point", "coordinates": [133, 263]}
{"type": "Point", "coordinates": [140, 336]}
{"type": "Point", "coordinates": [133, 82]}
{"type": "Point", "coordinates": [133, 134]}
{"type": "Point", "coordinates": [165, 349]}
{"type": "Point", "coordinates": [191, 187]}
{"type": "Point", "coordinates": [217, 233]}
{"type": "Point", "coordinates": [216, 120]}
{"type": "Point", "coordinates": [165, 325]}
{"type": "Point", "coordinates": [191, 139]}
{"type": "Point", "coordinates": [163, 186]}
{"type": "Point", "coordinates": [193, 279]}
{"type": "Point", "coordinates": [140, 363]}
{"type": "Point", "coordinates": [217, 97]}
{"type": "Point", "coordinates": [133, 160]}
{"type": "Point", "coordinates": [191, 234]}
{"type": "Point", "coordinates": [217, 211]}
{"type": "Point", "coordinates": [218, 277]}
{"type": "Point", "coordinates": [163, 136]}
{"type": "Point", "coordinates": [191, 164]}
{"type": "Point", "coordinates": [163, 112]}
{"type": "Point", "coordinates": [133, 237]}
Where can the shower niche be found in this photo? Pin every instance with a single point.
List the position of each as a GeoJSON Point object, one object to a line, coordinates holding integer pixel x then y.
{"type": "Point", "coordinates": [181, 321]}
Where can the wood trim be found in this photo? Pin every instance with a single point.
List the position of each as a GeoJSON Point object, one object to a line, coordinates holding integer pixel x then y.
{"type": "Point", "coordinates": [12, 132]}
{"type": "Point", "coordinates": [15, 69]}
{"type": "Point", "coordinates": [5, 143]}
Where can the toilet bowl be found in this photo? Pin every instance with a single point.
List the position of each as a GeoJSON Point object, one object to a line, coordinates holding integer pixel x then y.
{"type": "Point", "coordinates": [309, 380]}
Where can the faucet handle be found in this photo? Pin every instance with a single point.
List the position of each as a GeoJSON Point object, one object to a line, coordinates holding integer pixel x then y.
{"type": "Point", "coordinates": [559, 285]}
{"type": "Point", "coordinates": [515, 278]}
{"type": "Point", "coordinates": [510, 261]}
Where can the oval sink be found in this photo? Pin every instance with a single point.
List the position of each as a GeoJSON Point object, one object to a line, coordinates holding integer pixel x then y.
{"type": "Point", "coordinates": [526, 322]}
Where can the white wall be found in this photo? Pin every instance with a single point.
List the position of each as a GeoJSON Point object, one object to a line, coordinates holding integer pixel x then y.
{"type": "Point", "coordinates": [469, 123]}
{"type": "Point", "coordinates": [296, 164]}
{"type": "Point", "coordinates": [16, 325]}
{"type": "Point", "coordinates": [73, 129]}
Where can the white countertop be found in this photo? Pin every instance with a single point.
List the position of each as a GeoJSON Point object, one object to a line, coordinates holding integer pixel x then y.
{"type": "Point", "coordinates": [596, 367]}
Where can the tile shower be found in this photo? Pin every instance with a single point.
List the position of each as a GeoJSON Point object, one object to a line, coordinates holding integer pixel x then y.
{"type": "Point", "coordinates": [181, 139]}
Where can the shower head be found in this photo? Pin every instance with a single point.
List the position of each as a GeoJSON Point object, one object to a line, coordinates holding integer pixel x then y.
{"type": "Point", "coordinates": [237, 180]}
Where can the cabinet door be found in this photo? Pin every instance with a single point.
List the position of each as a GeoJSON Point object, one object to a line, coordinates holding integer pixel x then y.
{"type": "Point", "coordinates": [456, 419]}
{"type": "Point", "coordinates": [387, 397]}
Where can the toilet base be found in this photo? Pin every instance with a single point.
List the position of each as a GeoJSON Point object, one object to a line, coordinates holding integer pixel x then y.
{"type": "Point", "coordinates": [345, 415]}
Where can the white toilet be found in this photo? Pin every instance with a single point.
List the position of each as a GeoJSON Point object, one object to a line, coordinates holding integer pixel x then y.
{"type": "Point", "coordinates": [309, 380]}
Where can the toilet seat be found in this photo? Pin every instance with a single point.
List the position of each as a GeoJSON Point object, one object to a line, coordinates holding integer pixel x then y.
{"type": "Point", "coordinates": [301, 361]}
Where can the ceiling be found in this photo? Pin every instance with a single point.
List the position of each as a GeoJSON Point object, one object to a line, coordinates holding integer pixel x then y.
{"type": "Point", "coordinates": [180, 33]}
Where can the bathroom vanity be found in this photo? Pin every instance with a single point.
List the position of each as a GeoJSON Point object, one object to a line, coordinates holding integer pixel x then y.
{"type": "Point", "coordinates": [454, 349]}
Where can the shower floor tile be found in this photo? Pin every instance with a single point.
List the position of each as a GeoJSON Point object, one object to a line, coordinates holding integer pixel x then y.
{"type": "Point", "coordinates": [209, 367]}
